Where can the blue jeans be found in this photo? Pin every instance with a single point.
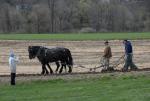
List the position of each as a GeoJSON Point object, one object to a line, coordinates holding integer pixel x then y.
{"type": "Point", "coordinates": [129, 62]}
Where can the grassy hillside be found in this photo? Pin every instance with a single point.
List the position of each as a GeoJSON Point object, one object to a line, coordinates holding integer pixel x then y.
{"type": "Point", "coordinates": [75, 36]}
{"type": "Point", "coordinates": [107, 88]}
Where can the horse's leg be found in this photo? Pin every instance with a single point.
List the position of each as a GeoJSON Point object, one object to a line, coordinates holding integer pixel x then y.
{"type": "Point", "coordinates": [43, 70]}
{"type": "Point", "coordinates": [70, 69]}
{"type": "Point", "coordinates": [46, 70]}
{"type": "Point", "coordinates": [65, 68]}
{"type": "Point", "coordinates": [51, 71]}
{"type": "Point", "coordinates": [61, 69]}
{"type": "Point", "coordinates": [57, 64]}
{"type": "Point", "coordinates": [69, 66]}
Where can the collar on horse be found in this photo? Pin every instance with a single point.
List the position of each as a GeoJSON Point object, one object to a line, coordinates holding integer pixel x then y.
{"type": "Point", "coordinates": [39, 50]}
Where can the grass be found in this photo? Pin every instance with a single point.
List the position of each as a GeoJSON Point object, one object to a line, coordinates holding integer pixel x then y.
{"type": "Point", "coordinates": [123, 88]}
{"type": "Point", "coordinates": [76, 36]}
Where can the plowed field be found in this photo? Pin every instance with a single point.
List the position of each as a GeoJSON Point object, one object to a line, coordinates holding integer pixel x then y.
{"type": "Point", "coordinates": [86, 53]}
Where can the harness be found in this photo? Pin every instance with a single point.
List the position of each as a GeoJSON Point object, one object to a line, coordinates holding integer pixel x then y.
{"type": "Point", "coordinates": [38, 52]}
{"type": "Point", "coordinates": [46, 51]}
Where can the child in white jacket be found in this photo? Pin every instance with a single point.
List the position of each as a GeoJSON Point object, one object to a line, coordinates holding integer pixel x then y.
{"type": "Point", "coordinates": [12, 64]}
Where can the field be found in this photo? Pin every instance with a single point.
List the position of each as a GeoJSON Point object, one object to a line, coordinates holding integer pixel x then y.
{"type": "Point", "coordinates": [94, 87]}
{"type": "Point", "coordinates": [86, 50]}
{"type": "Point", "coordinates": [85, 53]}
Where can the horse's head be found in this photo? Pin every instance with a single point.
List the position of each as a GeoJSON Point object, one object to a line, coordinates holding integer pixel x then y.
{"type": "Point", "coordinates": [33, 51]}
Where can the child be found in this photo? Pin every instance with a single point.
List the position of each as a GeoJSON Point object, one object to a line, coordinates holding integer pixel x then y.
{"type": "Point", "coordinates": [12, 65]}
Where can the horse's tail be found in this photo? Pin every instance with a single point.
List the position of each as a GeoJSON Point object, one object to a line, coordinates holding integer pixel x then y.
{"type": "Point", "coordinates": [70, 59]}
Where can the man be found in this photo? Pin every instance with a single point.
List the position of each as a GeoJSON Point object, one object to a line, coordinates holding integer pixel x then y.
{"type": "Point", "coordinates": [128, 56]}
{"type": "Point", "coordinates": [12, 65]}
{"type": "Point", "coordinates": [107, 55]}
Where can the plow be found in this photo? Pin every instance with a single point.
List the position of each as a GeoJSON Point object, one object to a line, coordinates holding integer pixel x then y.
{"type": "Point", "coordinates": [112, 67]}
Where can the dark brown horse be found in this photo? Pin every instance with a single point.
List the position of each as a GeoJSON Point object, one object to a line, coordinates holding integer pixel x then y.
{"type": "Point", "coordinates": [49, 55]}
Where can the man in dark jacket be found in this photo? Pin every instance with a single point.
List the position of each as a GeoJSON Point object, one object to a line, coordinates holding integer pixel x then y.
{"type": "Point", "coordinates": [128, 56]}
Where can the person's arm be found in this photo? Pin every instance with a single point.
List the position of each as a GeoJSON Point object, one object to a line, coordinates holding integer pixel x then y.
{"type": "Point", "coordinates": [126, 48]}
{"type": "Point", "coordinates": [110, 52]}
{"type": "Point", "coordinates": [16, 59]}
{"type": "Point", "coordinates": [106, 52]}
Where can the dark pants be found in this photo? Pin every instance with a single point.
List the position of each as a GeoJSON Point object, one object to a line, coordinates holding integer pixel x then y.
{"type": "Point", "coordinates": [13, 76]}
{"type": "Point", "coordinates": [129, 62]}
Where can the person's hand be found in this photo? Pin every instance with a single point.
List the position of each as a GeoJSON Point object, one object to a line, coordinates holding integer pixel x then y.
{"type": "Point", "coordinates": [123, 55]}
{"type": "Point", "coordinates": [17, 58]}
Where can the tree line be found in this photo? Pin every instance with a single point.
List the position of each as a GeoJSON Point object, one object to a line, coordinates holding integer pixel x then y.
{"type": "Point", "coordinates": [54, 16]}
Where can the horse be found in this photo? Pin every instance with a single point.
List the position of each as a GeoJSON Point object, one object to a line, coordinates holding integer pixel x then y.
{"type": "Point", "coordinates": [49, 55]}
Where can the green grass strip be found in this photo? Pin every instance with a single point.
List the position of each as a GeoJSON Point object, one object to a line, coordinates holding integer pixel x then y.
{"type": "Point", "coordinates": [76, 36]}
{"type": "Point", "coordinates": [124, 88]}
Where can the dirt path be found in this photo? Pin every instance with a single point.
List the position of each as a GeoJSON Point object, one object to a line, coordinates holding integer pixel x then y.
{"type": "Point", "coordinates": [85, 53]}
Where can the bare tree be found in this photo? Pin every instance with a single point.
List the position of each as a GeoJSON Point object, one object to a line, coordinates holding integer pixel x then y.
{"type": "Point", "coordinates": [51, 5]}
{"type": "Point", "coordinates": [49, 16]}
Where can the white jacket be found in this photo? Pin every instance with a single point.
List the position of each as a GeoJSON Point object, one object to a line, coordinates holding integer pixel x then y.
{"type": "Point", "coordinates": [12, 64]}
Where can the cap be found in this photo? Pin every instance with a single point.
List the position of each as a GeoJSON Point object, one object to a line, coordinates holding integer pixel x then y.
{"type": "Point", "coordinates": [12, 54]}
{"type": "Point", "coordinates": [106, 42]}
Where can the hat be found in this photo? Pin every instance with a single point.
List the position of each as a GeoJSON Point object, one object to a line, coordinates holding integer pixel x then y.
{"type": "Point", "coordinates": [12, 54]}
{"type": "Point", "coordinates": [106, 42]}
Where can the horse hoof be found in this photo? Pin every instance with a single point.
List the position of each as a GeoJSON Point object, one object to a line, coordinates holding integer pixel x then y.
{"type": "Point", "coordinates": [69, 71]}
{"type": "Point", "coordinates": [51, 72]}
{"type": "Point", "coordinates": [60, 71]}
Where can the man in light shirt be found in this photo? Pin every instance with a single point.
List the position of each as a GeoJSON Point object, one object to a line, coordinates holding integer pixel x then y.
{"type": "Point", "coordinates": [12, 64]}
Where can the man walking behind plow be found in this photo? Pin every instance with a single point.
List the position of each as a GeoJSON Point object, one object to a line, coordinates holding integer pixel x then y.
{"type": "Point", "coordinates": [107, 55]}
{"type": "Point", "coordinates": [128, 56]}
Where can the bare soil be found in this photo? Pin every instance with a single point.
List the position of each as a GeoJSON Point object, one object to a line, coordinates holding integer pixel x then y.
{"type": "Point", "coordinates": [85, 53]}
